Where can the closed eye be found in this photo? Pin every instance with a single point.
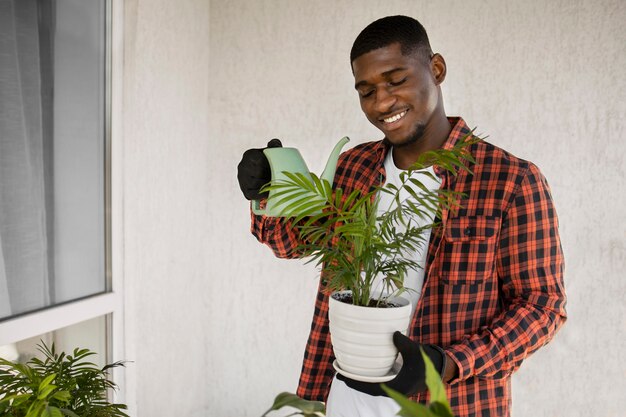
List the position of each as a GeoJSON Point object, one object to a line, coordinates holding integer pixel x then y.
{"type": "Point", "coordinates": [366, 93]}
{"type": "Point", "coordinates": [397, 83]}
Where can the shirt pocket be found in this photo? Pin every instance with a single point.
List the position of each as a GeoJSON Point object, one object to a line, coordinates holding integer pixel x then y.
{"type": "Point", "coordinates": [467, 255]}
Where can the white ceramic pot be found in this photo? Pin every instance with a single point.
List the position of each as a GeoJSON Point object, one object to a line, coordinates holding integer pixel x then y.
{"type": "Point", "coordinates": [362, 337]}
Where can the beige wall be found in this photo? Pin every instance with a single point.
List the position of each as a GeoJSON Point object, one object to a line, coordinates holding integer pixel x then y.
{"type": "Point", "coordinates": [216, 326]}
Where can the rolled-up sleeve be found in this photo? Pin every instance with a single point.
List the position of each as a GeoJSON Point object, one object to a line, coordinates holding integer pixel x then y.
{"type": "Point", "coordinates": [276, 232]}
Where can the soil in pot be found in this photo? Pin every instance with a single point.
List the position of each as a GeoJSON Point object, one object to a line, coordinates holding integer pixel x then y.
{"type": "Point", "coordinates": [347, 298]}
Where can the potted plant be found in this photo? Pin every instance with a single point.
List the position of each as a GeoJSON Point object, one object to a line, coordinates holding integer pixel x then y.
{"type": "Point", "coordinates": [59, 385]}
{"type": "Point", "coordinates": [346, 233]}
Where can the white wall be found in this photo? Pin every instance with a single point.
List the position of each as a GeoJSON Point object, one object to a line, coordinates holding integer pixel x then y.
{"type": "Point", "coordinates": [216, 326]}
{"type": "Point", "coordinates": [167, 180]}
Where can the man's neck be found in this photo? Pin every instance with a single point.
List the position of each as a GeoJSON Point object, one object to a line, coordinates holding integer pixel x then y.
{"type": "Point", "coordinates": [435, 135]}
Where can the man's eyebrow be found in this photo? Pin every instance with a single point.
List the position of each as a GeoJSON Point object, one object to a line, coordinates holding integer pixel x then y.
{"type": "Point", "coordinates": [385, 74]}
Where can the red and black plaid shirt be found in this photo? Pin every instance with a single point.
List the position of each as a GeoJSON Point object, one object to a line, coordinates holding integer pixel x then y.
{"type": "Point", "coordinates": [493, 292]}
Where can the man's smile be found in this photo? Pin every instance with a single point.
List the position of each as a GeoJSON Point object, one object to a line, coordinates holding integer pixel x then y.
{"type": "Point", "coordinates": [393, 118]}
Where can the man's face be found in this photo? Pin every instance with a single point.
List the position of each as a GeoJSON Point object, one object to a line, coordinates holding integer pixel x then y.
{"type": "Point", "coordinates": [398, 93]}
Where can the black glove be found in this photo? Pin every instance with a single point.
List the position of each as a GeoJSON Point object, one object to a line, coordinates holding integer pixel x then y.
{"type": "Point", "coordinates": [253, 172]}
{"type": "Point", "coordinates": [412, 376]}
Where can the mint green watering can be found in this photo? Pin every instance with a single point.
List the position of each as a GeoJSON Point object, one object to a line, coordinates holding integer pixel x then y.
{"type": "Point", "coordinates": [289, 160]}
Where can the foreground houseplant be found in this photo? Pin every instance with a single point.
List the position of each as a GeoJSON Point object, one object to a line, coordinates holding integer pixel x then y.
{"type": "Point", "coordinates": [359, 246]}
{"type": "Point", "coordinates": [59, 385]}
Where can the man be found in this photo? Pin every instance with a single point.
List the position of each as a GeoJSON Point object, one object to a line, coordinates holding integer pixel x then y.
{"type": "Point", "coordinates": [492, 289]}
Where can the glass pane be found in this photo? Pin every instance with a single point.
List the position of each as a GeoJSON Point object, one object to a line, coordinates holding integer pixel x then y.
{"type": "Point", "coordinates": [52, 107]}
{"type": "Point", "coordinates": [90, 334]}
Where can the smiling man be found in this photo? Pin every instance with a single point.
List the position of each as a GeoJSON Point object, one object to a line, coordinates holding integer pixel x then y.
{"type": "Point", "coordinates": [491, 290]}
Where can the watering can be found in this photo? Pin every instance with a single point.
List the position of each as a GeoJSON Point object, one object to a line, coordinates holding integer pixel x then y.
{"type": "Point", "coordinates": [289, 160]}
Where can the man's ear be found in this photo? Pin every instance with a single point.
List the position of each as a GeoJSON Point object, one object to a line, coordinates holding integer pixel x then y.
{"type": "Point", "coordinates": [438, 68]}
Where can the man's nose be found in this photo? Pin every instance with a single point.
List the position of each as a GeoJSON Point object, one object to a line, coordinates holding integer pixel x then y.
{"type": "Point", "coordinates": [384, 100]}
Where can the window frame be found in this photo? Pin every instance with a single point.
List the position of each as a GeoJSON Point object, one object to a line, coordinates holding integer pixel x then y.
{"type": "Point", "coordinates": [109, 303]}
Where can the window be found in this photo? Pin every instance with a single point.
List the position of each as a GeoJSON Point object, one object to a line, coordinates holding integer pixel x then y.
{"type": "Point", "coordinates": [55, 88]}
{"type": "Point", "coordinates": [90, 334]}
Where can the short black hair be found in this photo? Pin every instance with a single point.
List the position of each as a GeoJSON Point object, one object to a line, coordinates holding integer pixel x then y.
{"type": "Point", "coordinates": [406, 31]}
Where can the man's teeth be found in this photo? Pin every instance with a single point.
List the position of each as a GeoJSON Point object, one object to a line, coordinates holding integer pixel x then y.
{"type": "Point", "coordinates": [395, 118]}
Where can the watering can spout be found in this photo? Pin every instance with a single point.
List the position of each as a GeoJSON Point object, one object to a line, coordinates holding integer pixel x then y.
{"type": "Point", "coordinates": [331, 166]}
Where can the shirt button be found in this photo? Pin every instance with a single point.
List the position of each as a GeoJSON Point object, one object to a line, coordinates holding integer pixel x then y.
{"type": "Point", "coordinates": [468, 231]}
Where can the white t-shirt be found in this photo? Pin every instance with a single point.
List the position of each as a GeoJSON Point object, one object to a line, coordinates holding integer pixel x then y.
{"type": "Point", "coordinates": [343, 401]}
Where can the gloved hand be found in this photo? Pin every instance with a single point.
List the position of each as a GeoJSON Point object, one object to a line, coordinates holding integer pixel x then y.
{"type": "Point", "coordinates": [412, 376]}
{"type": "Point", "coordinates": [253, 172]}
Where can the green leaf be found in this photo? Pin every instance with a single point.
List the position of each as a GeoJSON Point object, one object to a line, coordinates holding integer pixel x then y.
{"type": "Point", "coordinates": [68, 413]}
{"type": "Point", "coordinates": [417, 183]}
{"type": "Point", "coordinates": [114, 365]}
{"type": "Point", "coordinates": [45, 392]}
{"type": "Point", "coordinates": [434, 383]}
{"type": "Point", "coordinates": [440, 409]}
{"type": "Point", "coordinates": [36, 409]}
{"type": "Point", "coordinates": [354, 196]}
{"type": "Point", "coordinates": [307, 408]}
{"type": "Point", "coordinates": [21, 399]}
{"type": "Point", "coordinates": [50, 411]}
{"type": "Point", "coordinates": [328, 190]}
{"type": "Point", "coordinates": [408, 408]}
{"type": "Point", "coordinates": [17, 399]}
{"type": "Point", "coordinates": [63, 396]}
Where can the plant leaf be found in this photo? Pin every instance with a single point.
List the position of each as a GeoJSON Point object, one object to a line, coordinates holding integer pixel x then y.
{"type": "Point", "coordinates": [307, 408]}
{"type": "Point", "coordinates": [63, 396]}
{"type": "Point", "coordinates": [440, 409]}
{"type": "Point", "coordinates": [408, 408]}
{"type": "Point", "coordinates": [20, 399]}
{"type": "Point", "coordinates": [435, 385]}
{"type": "Point", "coordinates": [46, 391]}
{"type": "Point", "coordinates": [68, 413]}
{"type": "Point", "coordinates": [50, 411]}
{"type": "Point", "coordinates": [36, 409]}
{"type": "Point", "coordinates": [17, 399]}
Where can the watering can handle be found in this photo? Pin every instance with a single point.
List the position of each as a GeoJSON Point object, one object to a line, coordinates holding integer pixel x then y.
{"type": "Point", "coordinates": [256, 208]}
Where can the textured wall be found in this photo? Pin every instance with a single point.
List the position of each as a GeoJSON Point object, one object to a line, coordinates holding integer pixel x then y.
{"type": "Point", "coordinates": [212, 318]}
{"type": "Point", "coordinates": [167, 180]}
